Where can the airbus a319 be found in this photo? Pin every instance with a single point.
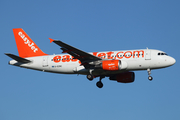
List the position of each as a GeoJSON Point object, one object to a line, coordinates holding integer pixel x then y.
{"type": "Point", "coordinates": [117, 65]}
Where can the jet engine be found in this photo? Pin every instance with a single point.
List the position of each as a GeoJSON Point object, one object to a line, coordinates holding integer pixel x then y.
{"type": "Point", "coordinates": [127, 77]}
{"type": "Point", "coordinates": [113, 65]}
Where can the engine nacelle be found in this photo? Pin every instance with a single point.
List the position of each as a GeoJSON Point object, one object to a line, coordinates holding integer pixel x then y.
{"type": "Point", "coordinates": [113, 65]}
{"type": "Point", "coordinates": [127, 77]}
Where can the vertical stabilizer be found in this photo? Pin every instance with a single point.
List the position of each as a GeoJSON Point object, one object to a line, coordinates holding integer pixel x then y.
{"type": "Point", "coordinates": [25, 45]}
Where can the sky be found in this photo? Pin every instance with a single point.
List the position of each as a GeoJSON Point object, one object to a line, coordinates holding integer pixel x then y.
{"type": "Point", "coordinates": [90, 25]}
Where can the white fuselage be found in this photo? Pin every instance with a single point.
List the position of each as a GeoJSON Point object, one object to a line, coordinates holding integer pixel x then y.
{"type": "Point", "coordinates": [130, 60]}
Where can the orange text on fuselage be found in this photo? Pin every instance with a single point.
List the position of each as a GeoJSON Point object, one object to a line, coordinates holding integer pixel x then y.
{"type": "Point", "coordinates": [103, 55]}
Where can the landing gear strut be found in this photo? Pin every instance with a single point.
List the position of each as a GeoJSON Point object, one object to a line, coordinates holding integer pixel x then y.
{"type": "Point", "coordinates": [90, 76]}
{"type": "Point", "coordinates": [99, 84]}
{"type": "Point", "coordinates": [149, 73]}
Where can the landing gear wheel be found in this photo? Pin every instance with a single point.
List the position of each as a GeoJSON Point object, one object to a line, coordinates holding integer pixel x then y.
{"type": "Point", "coordinates": [99, 84]}
{"type": "Point", "coordinates": [150, 78]}
{"type": "Point", "coordinates": [90, 77]}
{"type": "Point", "coordinates": [149, 73]}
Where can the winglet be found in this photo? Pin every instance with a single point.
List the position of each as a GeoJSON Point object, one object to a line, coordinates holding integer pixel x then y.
{"type": "Point", "coordinates": [51, 40]}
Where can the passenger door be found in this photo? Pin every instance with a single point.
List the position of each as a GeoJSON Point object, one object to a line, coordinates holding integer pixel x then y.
{"type": "Point", "coordinates": [148, 55]}
{"type": "Point", "coordinates": [45, 62]}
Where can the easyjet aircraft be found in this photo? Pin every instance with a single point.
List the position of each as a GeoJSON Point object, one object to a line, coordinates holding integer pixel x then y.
{"type": "Point", "coordinates": [117, 65]}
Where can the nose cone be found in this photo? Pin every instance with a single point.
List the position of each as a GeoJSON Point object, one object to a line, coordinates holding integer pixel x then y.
{"type": "Point", "coordinates": [172, 61]}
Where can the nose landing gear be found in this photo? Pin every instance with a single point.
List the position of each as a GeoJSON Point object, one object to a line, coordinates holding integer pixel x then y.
{"type": "Point", "coordinates": [149, 73]}
{"type": "Point", "coordinates": [150, 78]}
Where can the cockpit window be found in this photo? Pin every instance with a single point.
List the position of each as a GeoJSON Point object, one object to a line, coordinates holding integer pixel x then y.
{"type": "Point", "coordinates": [162, 54]}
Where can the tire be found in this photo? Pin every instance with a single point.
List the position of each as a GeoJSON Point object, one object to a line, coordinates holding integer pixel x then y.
{"type": "Point", "coordinates": [99, 84]}
{"type": "Point", "coordinates": [90, 77]}
{"type": "Point", "coordinates": [150, 78]}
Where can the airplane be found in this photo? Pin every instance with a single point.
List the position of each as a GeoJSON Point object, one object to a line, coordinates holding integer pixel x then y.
{"type": "Point", "coordinates": [117, 65]}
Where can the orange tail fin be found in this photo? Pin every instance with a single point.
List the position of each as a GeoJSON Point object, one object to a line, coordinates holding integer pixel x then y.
{"type": "Point", "coordinates": [25, 45]}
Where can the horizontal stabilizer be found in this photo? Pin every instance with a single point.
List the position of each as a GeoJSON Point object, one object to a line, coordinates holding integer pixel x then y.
{"type": "Point", "coordinates": [17, 58]}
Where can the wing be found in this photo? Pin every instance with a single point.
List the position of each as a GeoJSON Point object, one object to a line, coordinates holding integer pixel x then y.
{"type": "Point", "coordinates": [76, 53]}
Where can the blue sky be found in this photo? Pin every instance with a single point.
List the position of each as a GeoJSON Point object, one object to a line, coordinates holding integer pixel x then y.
{"type": "Point", "coordinates": [90, 25]}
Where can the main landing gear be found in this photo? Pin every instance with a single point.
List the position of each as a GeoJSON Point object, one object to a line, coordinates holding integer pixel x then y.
{"type": "Point", "coordinates": [90, 77]}
{"type": "Point", "coordinates": [149, 73]}
{"type": "Point", "coordinates": [99, 84]}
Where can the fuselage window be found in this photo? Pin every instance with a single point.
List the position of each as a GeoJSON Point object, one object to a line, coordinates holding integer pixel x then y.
{"type": "Point", "coordinates": [162, 54]}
